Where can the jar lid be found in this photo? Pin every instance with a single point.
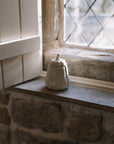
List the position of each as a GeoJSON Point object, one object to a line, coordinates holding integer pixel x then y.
{"type": "Point", "coordinates": [58, 62]}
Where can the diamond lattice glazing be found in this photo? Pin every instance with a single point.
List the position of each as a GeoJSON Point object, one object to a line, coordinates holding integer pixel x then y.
{"type": "Point", "coordinates": [89, 23]}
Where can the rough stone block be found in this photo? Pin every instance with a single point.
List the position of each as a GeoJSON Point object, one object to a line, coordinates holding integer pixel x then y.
{"type": "Point", "coordinates": [84, 127]}
{"type": "Point", "coordinates": [4, 137]}
{"type": "Point", "coordinates": [109, 123]}
{"type": "Point", "coordinates": [25, 113]}
{"type": "Point", "coordinates": [4, 116]}
{"type": "Point", "coordinates": [105, 139]}
{"type": "Point", "coordinates": [51, 118]}
{"type": "Point", "coordinates": [112, 138]}
{"type": "Point", "coordinates": [83, 63]}
{"type": "Point", "coordinates": [4, 97]}
{"type": "Point", "coordinates": [21, 137]}
{"type": "Point", "coordinates": [37, 115]}
{"type": "Point", "coordinates": [50, 21]}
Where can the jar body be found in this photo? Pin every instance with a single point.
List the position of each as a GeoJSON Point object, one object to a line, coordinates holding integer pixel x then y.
{"type": "Point", "coordinates": [57, 77]}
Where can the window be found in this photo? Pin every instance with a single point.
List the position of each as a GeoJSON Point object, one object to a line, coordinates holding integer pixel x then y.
{"type": "Point", "coordinates": [89, 23]}
{"type": "Point", "coordinates": [83, 60]}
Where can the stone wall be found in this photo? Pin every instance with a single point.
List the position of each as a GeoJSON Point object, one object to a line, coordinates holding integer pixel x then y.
{"type": "Point", "coordinates": [30, 119]}
{"type": "Point", "coordinates": [50, 21]}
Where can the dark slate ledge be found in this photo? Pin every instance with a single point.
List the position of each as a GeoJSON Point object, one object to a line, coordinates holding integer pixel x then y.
{"type": "Point", "coordinates": [85, 96]}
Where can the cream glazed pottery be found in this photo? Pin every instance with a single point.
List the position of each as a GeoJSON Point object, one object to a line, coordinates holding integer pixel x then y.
{"type": "Point", "coordinates": [57, 77]}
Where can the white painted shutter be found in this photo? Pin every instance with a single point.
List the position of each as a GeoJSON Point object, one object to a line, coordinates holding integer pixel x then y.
{"type": "Point", "coordinates": [9, 20]}
{"type": "Point", "coordinates": [29, 20]}
{"type": "Point", "coordinates": [20, 41]}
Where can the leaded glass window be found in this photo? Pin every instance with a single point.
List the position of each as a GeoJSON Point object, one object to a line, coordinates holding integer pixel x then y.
{"type": "Point", "coordinates": [89, 23]}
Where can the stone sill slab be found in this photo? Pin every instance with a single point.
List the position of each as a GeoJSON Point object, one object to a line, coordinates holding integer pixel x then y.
{"type": "Point", "coordinates": [84, 63]}
{"type": "Point", "coordinates": [85, 96]}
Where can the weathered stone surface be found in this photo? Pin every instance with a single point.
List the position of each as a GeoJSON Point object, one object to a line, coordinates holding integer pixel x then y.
{"type": "Point", "coordinates": [83, 63]}
{"type": "Point", "coordinates": [4, 97]}
{"type": "Point", "coordinates": [4, 116]}
{"type": "Point", "coordinates": [112, 139]}
{"type": "Point", "coordinates": [50, 23]}
{"type": "Point", "coordinates": [37, 115]}
{"type": "Point", "coordinates": [84, 127]}
{"type": "Point", "coordinates": [21, 137]}
{"type": "Point", "coordinates": [108, 123]}
{"type": "Point", "coordinates": [51, 119]}
{"type": "Point", "coordinates": [105, 139]}
{"type": "Point", "coordinates": [25, 113]}
{"type": "Point", "coordinates": [4, 136]}
{"type": "Point", "coordinates": [44, 120]}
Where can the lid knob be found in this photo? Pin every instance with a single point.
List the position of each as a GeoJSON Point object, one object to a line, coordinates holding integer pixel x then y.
{"type": "Point", "coordinates": [58, 56]}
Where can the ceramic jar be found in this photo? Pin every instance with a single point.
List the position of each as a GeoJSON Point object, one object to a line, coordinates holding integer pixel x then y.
{"type": "Point", "coordinates": [57, 77]}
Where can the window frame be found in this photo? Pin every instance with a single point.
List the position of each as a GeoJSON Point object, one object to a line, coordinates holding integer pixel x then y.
{"type": "Point", "coordinates": [61, 34]}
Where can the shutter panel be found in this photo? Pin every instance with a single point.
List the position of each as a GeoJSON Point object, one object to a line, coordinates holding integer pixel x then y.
{"type": "Point", "coordinates": [31, 60]}
{"type": "Point", "coordinates": [29, 17]}
{"type": "Point", "coordinates": [12, 69]}
{"type": "Point", "coordinates": [9, 20]}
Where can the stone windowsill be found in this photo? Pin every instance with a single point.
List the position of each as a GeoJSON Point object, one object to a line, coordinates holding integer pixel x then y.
{"type": "Point", "coordinates": [84, 63]}
{"type": "Point", "coordinates": [84, 96]}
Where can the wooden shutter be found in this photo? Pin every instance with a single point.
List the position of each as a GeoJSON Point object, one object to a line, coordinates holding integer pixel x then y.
{"type": "Point", "coordinates": [20, 41]}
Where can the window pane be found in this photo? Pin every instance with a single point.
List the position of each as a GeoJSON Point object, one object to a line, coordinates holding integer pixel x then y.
{"type": "Point", "coordinates": [89, 23]}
